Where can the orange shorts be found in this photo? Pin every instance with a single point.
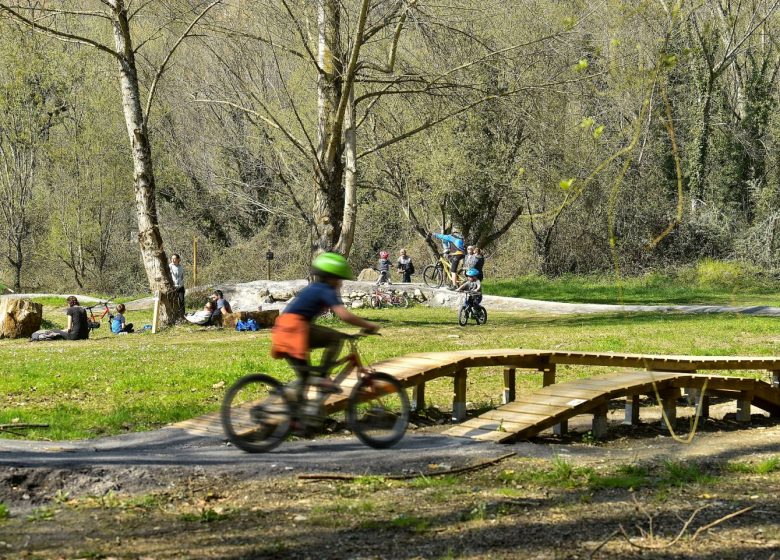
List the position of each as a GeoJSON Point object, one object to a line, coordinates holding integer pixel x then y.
{"type": "Point", "coordinates": [290, 337]}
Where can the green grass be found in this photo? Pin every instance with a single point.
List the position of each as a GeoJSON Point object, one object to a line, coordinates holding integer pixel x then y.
{"type": "Point", "coordinates": [113, 384]}
{"type": "Point", "coordinates": [687, 287]}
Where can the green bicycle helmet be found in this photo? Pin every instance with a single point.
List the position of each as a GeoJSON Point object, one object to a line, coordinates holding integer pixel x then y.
{"type": "Point", "coordinates": [332, 264]}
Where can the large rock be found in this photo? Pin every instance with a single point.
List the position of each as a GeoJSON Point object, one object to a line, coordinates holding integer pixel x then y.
{"type": "Point", "coordinates": [368, 275]}
{"type": "Point", "coordinates": [19, 318]}
{"type": "Point", "coordinates": [263, 318]}
{"type": "Point", "coordinates": [282, 295]}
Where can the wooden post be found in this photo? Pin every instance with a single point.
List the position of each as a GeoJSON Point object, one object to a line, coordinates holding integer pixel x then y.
{"type": "Point", "coordinates": [599, 426]}
{"type": "Point", "coordinates": [743, 407]}
{"type": "Point", "coordinates": [156, 312]}
{"type": "Point", "coordinates": [548, 375]}
{"type": "Point", "coordinates": [632, 410]}
{"type": "Point", "coordinates": [669, 405]}
{"type": "Point", "coordinates": [561, 429]}
{"type": "Point", "coordinates": [418, 397]}
{"type": "Point", "coordinates": [776, 379]}
{"type": "Point", "coordinates": [509, 385]}
{"type": "Point", "coordinates": [459, 396]}
{"type": "Point", "coordinates": [705, 405]}
{"type": "Point", "coordinates": [194, 261]}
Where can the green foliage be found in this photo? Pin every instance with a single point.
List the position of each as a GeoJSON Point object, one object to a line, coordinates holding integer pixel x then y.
{"type": "Point", "coordinates": [680, 473]}
{"type": "Point", "coordinates": [411, 523]}
{"type": "Point", "coordinates": [765, 466]}
{"type": "Point", "coordinates": [434, 481]}
{"type": "Point", "coordinates": [5, 513]}
{"type": "Point", "coordinates": [205, 515]}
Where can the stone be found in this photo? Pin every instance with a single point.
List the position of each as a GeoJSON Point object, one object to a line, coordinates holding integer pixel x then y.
{"type": "Point", "coordinates": [263, 292]}
{"type": "Point", "coordinates": [19, 318]}
{"type": "Point", "coordinates": [419, 296]}
{"type": "Point", "coordinates": [282, 295]}
{"type": "Point", "coordinates": [267, 299]}
{"type": "Point", "coordinates": [368, 275]}
{"type": "Point", "coordinates": [357, 304]}
{"type": "Point", "coordinates": [263, 318]}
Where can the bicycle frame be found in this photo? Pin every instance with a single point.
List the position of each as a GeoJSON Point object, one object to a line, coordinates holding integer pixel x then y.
{"type": "Point", "coordinates": [96, 319]}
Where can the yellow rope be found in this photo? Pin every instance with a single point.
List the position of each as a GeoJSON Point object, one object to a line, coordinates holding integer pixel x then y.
{"type": "Point", "coordinates": [675, 437]}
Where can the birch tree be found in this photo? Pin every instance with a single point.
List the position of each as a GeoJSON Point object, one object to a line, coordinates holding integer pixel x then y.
{"type": "Point", "coordinates": [117, 18]}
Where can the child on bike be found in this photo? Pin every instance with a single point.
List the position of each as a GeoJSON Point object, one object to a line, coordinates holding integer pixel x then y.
{"type": "Point", "coordinates": [118, 323]}
{"type": "Point", "coordinates": [384, 268]}
{"type": "Point", "coordinates": [293, 334]}
{"type": "Point", "coordinates": [473, 288]}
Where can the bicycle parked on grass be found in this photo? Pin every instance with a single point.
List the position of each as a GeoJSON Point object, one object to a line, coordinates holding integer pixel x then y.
{"type": "Point", "coordinates": [258, 412]}
{"type": "Point", "coordinates": [379, 298]}
{"type": "Point", "coordinates": [472, 308]}
{"type": "Point", "coordinates": [435, 275]}
{"type": "Point", "coordinates": [94, 318]}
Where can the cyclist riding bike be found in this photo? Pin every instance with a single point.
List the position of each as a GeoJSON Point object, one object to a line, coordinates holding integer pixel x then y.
{"type": "Point", "coordinates": [294, 335]}
{"type": "Point", "coordinates": [473, 288]}
{"type": "Point", "coordinates": [454, 249]}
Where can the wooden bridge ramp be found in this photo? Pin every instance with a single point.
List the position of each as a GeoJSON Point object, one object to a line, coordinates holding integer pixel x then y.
{"type": "Point", "coordinates": [553, 405]}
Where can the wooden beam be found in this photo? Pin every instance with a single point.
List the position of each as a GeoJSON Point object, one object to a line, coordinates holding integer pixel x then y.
{"type": "Point", "coordinates": [510, 379]}
{"type": "Point", "coordinates": [632, 410]}
{"type": "Point", "coordinates": [459, 396]}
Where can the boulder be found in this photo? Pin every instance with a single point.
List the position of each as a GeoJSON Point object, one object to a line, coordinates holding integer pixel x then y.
{"type": "Point", "coordinates": [419, 296]}
{"type": "Point", "coordinates": [19, 318]}
{"type": "Point", "coordinates": [263, 318]}
{"type": "Point", "coordinates": [263, 293]}
{"type": "Point", "coordinates": [282, 295]}
{"type": "Point", "coordinates": [368, 275]}
{"type": "Point", "coordinates": [357, 304]}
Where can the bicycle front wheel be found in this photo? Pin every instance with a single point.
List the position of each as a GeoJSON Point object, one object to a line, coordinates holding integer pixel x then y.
{"type": "Point", "coordinates": [255, 413]}
{"type": "Point", "coordinates": [401, 301]}
{"type": "Point", "coordinates": [378, 410]}
{"type": "Point", "coordinates": [433, 276]}
{"type": "Point", "coordinates": [463, 316]}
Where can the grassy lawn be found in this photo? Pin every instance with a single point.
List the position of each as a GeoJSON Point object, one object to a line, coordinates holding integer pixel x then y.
{"type": "Point", "coordinates": [651, 289]}
{"type": "Point", "coordinates": [112, 384]}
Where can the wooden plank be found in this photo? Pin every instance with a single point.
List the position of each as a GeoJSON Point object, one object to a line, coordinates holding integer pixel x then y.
{"type": "Point", "coordinates": [480, 435]}
{"type": "Point", "coordinates": [518, 417]}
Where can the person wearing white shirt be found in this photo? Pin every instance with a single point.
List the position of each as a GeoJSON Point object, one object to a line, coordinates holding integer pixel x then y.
{"type": "Point", "coordinates": [177, 273]}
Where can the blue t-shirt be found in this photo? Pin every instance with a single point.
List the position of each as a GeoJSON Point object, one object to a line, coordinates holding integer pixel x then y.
{"type": "Point", "coordinates": [313, 300]}
{"type": "Point", "coordinates": [450, 241]}
{"type": "Point", "coordinates": [116, 323]}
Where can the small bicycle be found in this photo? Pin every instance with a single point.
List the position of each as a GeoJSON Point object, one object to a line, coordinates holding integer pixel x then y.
{"type": "Point", "coordinates": [379, 298]}
{"type": "Point", "coordinates": [258, 412]}
{"type": "Point", "coordinates": [471, 308]}
{"type": "Point", "coordinates": [94, 318]}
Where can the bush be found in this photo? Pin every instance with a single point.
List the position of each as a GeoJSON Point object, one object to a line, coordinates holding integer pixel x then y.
{"type": "Point", "coordinates": [721, 275]}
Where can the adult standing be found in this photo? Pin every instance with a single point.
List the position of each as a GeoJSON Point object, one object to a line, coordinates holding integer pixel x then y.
{"type": "Point", "coordinates": [177, 273]}
{"type": "Point", "coordinates": [478, 262]}
{"type": "Point", "coordinates": [468, 261]}
{"type": "Point", "coordinates": [405, 266]}
{"type": "Point", "coordinates": [78, 326]}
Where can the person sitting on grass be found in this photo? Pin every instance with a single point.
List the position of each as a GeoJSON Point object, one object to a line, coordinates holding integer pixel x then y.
{"type": "Point", "coordinates": [202, 317]}
{"type": "Point", "coordinates": [118, 324]}
{"type": "Point", "coordinates": [293, 334]}
{"type": "Point", "coordinates": [221, 307]}
{"type": "Point", "coordinates": [473, 288]}
{"type": "Point", "coordinates": [78, 325]}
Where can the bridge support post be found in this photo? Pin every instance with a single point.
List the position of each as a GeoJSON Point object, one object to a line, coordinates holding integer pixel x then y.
{"type": "Point", "coordinates": [705, 404]}
{"type": "Point", "coordinates": [459, 396]}
{"type": "Point", "coordinates": [418, 397]}
{"type": "Point", "coordinates": [632, 410]}
{"type": "Point", "coordinates": [669, 404]}
{"type": "Point", "coordinates": [599, 426]}
{"type": "Point", "coordinates": [561, 429]}
{"type": "Point", "coordinates": [743, 407]}
{"type": "Point", "coordinates": [776, 379]}
{"type": "Point", "coordinates": [509, 385]}
{"type": "Point", "coordinates": [548, 375]}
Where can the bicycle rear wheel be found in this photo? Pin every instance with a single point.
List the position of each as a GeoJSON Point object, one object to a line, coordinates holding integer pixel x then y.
{"type": "Point", "coordinates": [375, 302]}
{"type": "Point", "coordinates": [433, 276]}
{"type": "Point", "coordinates": [378, 410]}
{"type": "Point", "coordinates": [401, 301]}
{"type": "Point", "coordinates": [480, 315]}
{"type": "Point", "coordinates": [255, 413]}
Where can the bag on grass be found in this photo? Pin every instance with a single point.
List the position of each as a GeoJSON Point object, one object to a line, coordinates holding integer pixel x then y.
{"type": "Point", "coordinates": [39, 336]}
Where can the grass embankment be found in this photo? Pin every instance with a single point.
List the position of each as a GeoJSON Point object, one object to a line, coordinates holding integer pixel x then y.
{"type": "Point", "coordinates": [709, 283]}
{"type": "Point", "coordinates": [110, 384]}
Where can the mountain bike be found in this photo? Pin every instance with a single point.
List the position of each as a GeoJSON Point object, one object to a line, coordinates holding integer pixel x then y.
{"type": "Point", "coordinates": [379, 298]}
{"type": "Point", "coordinates": [94, 318]}
{"type": "Point", "coordinates": [258, 412]}
{"type": "Point", "coordinates": [471, 309]}
{"type": "Point", "coordinates": [435, 275]}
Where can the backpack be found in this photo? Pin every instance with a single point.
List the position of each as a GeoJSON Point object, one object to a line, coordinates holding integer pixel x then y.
{"type": "Point", "coordinates": [248, 325]}
{"type": "Point", "coordinates": [39, 336]}
{"type": "Point", "coordinates": [411, 268]}
{"type": "Point", "coordinates": [241, 325]}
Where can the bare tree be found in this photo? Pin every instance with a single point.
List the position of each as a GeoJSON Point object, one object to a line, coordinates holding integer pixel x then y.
{"type": "Point", "coordinates": [57, 22]}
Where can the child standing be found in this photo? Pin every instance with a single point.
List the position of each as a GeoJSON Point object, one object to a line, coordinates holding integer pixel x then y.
{"type": "Point", "coordinates": [118, 323]}
{"type": "Point", "coordinates": [384, 268]}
